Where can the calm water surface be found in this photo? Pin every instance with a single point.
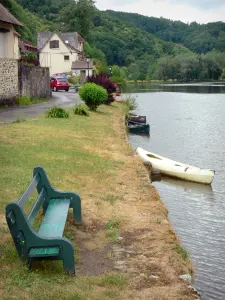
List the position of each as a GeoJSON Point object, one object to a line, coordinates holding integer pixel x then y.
{"type": "Point", "coordinates": [188, 125]}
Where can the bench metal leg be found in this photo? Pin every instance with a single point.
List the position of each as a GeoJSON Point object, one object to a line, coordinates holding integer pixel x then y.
{"type": "Point", "coordinates": [67, 255]}
{"type": "Point", "coordinates": [75, 203]}
{"type": "Point", "coordinates": [29, 263]}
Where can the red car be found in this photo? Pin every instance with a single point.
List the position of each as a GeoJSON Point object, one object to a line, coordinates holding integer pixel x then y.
{"type": "Point", "coordinates": [59, 83]}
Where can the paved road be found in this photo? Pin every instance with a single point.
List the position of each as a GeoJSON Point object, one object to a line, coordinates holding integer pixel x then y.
{"type": "Point", "coordinates": [61, 98]}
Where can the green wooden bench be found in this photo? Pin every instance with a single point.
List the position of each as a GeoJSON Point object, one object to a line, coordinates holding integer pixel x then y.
{"type": "Point", "coordinates": [48, 242]}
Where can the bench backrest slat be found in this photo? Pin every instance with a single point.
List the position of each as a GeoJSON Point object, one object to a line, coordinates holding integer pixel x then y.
{"type": "Point", "coordinates": [36, 206]}
{"type": "Point", "coordinates": [23, 199]}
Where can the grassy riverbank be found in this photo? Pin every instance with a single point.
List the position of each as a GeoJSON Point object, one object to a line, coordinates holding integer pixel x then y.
{"type": "Point", "coordinates": [126, 247]}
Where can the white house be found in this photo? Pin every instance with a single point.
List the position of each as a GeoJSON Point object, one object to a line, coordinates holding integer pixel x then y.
{"type": "Point", "coordinates": [59, 51]}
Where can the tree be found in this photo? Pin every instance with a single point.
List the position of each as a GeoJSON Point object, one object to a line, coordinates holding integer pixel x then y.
{"type": "Point", "coordinates": [78, 17]}
{"type": "Point", "coordinates": [118, 74]}
{"type": "Point", "coordinates": [143, 69]}
{"type": "Point", "coordinates": [133, 72]}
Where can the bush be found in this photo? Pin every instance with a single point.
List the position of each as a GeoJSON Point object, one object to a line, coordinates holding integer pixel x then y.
{"type": "Point", "coordinates": [104, 81]}
{"type": "Point", "coordinates": [80, 110]}
{"type": "Point", "coordinates": [56, 112]}
{"type": "Point", "coordinates": [130, 102]}
{"type": "Point", "coordinates": [93, 95]}
{"type": "Point", "coordinates": [74, 80]}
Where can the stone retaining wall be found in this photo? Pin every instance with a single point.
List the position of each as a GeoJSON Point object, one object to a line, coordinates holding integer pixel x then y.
{"type": "Point", "coordinates": [34, 82]}
{"type": "Point", "coordinates": [8, 81]}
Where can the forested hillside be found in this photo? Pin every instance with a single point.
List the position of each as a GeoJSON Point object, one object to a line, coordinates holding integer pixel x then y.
{"type": "Point", "coordinates": [123, 44]}
{"type": "Point", "coordinates": [32, 23]}
{"type": "Point", "coordinates": [198, 38]}
{"type": "Point", "coordinates": [45, 8]}
{"type": "Point", "coordinates": [138, 47]}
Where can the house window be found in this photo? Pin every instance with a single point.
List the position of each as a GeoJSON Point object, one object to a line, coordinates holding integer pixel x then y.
{"type": "Point", "coordinates": [66, 57]}
{"type": "Point", "coordinates": [54, 44]}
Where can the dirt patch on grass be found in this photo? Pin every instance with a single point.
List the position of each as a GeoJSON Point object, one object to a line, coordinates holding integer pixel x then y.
{"type": "Point", "coordinates": [3, 222]}
{"type": "Point", "coordinates": [93, 262]}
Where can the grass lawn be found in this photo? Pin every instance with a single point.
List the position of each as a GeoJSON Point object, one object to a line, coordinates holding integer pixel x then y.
{"type": "Point", "coordinates": [125, 247]}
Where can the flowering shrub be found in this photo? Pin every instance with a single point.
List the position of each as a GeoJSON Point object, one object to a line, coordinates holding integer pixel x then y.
{"type": "Point", "coordinates": [104, 81]}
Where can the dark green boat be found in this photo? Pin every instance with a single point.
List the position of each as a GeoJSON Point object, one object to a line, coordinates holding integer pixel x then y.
{"type": "Point", "coordinates": [138, 128]}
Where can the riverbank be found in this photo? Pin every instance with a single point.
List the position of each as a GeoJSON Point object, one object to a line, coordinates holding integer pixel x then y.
{"type": "Point", "coordinates": [126, 246]}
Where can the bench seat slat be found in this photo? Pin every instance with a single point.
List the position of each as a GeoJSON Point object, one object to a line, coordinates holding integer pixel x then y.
{"type": "Point", "coordinates": [55, 218]}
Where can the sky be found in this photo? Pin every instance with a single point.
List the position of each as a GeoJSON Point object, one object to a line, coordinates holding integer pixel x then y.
{"type": "Point", "coordinates": [201, 11]}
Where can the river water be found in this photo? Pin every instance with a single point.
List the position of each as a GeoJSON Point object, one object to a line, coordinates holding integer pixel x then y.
{"type": "Point", "coordinates": [187, 124]}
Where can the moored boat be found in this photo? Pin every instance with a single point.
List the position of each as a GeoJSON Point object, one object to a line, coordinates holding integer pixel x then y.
{"type": "Point", "coordinates": [137, 119]}
{"type": "Point", "coordinates": [176, 169]}
{"type": "Point", "coordinates": [138, 128]}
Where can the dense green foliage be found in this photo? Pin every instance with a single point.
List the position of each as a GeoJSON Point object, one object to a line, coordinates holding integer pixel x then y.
{"type": "Point", "coordinates": [189, 68]}
{"type": "Point", "coordinates": [93, 95]}
{"type": "Point", "coordinates": [136, 47]}
{"type": "Point", "coordinates": [123, 44]}
{"type": "Point", "coordinates": [198, 38]}
{"type": "Point", "coordinates": [118, 74]}
{"type": "Point", "coordinates": [78, 16]}
{"type": "Point", "coordinates": [49, 9]}
{"type": "Point", "coordinates": [32, 24]}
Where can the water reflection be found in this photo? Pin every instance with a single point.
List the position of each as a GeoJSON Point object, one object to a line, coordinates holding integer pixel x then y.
{"type": "Point", "coordinates": [187, 186]}
{"type": "Point", "coordinates": [199, 88]}
{"type": "Point", "coordinates": [143, 136]}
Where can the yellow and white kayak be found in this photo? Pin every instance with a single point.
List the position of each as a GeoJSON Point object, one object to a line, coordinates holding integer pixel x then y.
{"type": "Point", "coordinates": [176, 169]}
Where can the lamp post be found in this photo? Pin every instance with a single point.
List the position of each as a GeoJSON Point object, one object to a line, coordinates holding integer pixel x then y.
{"type": "Point", "coordinates": [110, 71]}
{"type": "Point", "coordinates": [88, 62]}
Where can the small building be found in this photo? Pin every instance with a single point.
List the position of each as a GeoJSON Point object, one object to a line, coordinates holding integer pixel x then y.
{"type": "Point", "coordinates": [26, 46]}
{"type": "Point", "coordinates": [9, 38]}
{"type": "Point", "coordinates": [59, 51]}
{"type": "Point", "coordinates": [82, 67]}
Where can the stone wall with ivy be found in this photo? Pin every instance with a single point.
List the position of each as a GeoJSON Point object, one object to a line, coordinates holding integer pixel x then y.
{"type": "Point", "coordinates": [34, 82]}
{"type": "Point", "coordinates": [8, 81]}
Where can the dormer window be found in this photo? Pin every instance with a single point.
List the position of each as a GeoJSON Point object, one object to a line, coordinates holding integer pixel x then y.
{"type": "Point", "coordinates": [54, 44]}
